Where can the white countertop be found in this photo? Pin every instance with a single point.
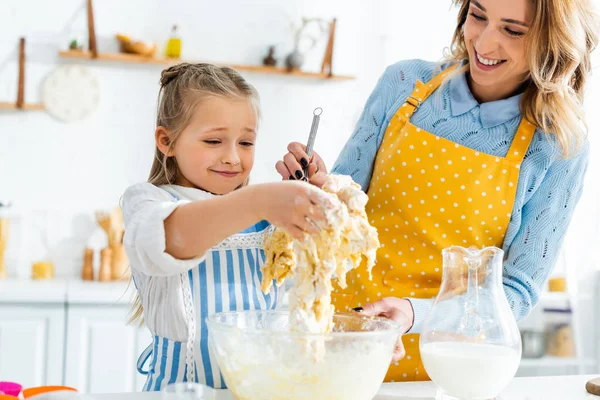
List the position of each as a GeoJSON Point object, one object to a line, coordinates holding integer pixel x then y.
{"type": "Point", "coordinates": [61, 290]}
{"type": "Point", "coordinates": [538, 388]}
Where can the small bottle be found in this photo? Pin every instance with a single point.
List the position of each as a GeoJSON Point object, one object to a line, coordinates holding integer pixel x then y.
{"type": "Point", "coordinates": [104, 274]}
{"type": "Point", "coordinates": [173, 49]}
{"type": "Point", "coordinates": [87, 272]}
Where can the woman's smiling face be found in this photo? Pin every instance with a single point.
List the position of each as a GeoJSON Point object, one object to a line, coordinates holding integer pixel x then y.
{"type": "Point", "coordinates": [495, 32]}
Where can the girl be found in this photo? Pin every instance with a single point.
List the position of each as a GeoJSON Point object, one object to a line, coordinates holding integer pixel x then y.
{"type": "Point", "coordinates": [194, 232]}
{"type": "Point", "coordinates": [489, 151]}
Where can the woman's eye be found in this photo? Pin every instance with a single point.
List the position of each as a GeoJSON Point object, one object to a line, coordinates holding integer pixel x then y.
{"type": "Point", "coordinates": [514, 33]}
{"type": "Point", "coordinates": [477, 17]}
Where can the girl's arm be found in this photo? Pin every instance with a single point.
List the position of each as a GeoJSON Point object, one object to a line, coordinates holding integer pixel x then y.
{"type": "Point", "coordinates": [164, 237]}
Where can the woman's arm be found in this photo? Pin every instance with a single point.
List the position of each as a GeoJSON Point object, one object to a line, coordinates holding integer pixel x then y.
{"type": "Point", "coordinates": [531, 255]}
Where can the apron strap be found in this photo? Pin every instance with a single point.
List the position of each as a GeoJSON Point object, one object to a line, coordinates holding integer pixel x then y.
{"type": "Point", "coordinates": [521, 141]}
{"type": "Point", "coordinates": [143, 358]}
{"type": "Point", "coordinates": [422, 91]}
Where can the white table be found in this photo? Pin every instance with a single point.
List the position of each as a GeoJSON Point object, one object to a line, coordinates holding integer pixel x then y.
{"type": "Point", "coordinates": [538, 388]}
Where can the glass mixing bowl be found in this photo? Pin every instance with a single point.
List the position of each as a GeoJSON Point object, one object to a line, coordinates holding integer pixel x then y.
{"type": "Point", "coordinates": [260, 358]}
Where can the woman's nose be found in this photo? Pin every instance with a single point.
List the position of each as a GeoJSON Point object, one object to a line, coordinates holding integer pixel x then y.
{"type": "Point", "coordinates": [487, 42]}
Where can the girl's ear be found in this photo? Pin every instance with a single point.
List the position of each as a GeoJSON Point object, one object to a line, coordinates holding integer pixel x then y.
{"type": "Point", "coordinates": [163, 140]}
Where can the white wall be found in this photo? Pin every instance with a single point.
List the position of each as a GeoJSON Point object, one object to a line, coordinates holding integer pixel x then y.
{"type": "Point", "coordinates": [57, 174]}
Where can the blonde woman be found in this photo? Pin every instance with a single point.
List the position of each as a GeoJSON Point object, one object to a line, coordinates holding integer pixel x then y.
{"type": "Point", "coordinates": [194, 233]}
{"type": "Point", "coordinates": [488, 149]}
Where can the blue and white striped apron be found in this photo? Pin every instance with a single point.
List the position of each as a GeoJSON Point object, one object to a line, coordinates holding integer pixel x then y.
{"type": "Point", "coordinates": [227, 280]}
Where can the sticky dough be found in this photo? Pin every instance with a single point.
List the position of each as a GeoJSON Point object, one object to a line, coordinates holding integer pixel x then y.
{"type": "Point", "coordinates": [340, 246]}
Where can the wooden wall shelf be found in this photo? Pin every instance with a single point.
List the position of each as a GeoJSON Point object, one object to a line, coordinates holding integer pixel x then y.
{"type": "Point", "coordinates": [20, 103]}
{"type": "Point", "coordinates": [5, 105]}
{"type": "Point", "coordinates": [132, 58]}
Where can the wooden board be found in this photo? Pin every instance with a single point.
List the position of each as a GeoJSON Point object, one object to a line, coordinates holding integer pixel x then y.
{"type": "Point", "coordinates": [5, 105]}
{"type": "Point", "coordinates": [132, 58]}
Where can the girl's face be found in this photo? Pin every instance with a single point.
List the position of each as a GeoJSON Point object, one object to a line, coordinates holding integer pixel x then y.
{"type": "Point", "coordinates": [215, 152]}
{"type": "Point", "coordinates": [495, 32]}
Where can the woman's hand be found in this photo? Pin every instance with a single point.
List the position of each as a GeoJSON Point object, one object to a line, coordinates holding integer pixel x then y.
{"type": "Point", "coordinates": [296, 207]}
{"type": "Point", "coordinates": [398, 310]}
{"type": "Point", "coordinates": [291, 168]}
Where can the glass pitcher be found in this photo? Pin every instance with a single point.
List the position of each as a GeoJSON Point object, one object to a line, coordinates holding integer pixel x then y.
{"type": "Point", "coordinates": [470, 342]}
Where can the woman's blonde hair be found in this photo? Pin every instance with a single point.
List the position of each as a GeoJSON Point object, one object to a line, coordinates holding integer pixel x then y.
{"type": "Point", "coordinates": [559, 45]}
{"type": "Point", "coordinates": [182, 88]}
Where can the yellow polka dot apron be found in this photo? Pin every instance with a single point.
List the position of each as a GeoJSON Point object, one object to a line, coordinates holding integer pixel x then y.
{"type": "Point", "coordinates": [428, 193]}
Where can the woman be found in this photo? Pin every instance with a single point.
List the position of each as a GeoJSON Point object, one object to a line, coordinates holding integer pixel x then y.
{"type": "Point", "coordinates": [487, 149]}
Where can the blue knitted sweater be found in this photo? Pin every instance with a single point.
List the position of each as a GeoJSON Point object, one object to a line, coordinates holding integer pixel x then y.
{"type": "Point", "coordinates": [549, 185]}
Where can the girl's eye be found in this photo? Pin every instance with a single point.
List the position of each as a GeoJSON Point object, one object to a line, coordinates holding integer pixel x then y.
{"type": "Point", "coordinates": [514, 33]}
{"type": "Point", "coordinates": [477, 17]}
{"type": "Point", "coordinates": [212, 142]}
{"type": "Point", "coordinates": [247, 144]}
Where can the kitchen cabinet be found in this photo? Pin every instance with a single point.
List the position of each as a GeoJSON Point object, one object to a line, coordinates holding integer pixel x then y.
{"type": "Point", "coordinates": [102, 349]}
{"type": "Point", "coordinates": [69, 332]}
{"type": "Point", "coordinates": [32, 340]}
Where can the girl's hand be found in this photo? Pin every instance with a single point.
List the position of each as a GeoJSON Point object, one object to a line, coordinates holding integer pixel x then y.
{"type": "Point", "coordinates": [291, 168]}
{"type": "Point", "coordinates": [296, 207]}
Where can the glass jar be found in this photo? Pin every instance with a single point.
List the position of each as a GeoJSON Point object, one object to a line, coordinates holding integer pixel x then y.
{"type": "Point", "coordinates": [559, 332]}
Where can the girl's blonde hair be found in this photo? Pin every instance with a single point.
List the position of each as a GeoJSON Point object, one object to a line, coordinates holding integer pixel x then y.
{"type": "Point", "coordinates": [559, 45]}
{"type": "Point", "coordinates": [182, 88]}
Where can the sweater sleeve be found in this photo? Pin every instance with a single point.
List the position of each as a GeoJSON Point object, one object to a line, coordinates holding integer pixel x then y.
{"type": "Point", "coordinates": [532, 254]}
{"type": "Point", "coordinates": [145, 208]}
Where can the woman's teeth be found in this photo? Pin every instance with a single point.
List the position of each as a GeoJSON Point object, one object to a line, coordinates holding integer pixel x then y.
{"type": "Point", "coordinates": [485, 61]}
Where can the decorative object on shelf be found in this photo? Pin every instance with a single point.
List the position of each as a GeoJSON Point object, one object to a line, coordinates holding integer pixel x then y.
{"type": "Point", "coordinates": [105, 273]}
{"type": "Point", "coordinates": [87, 272]}
{"type": "Point", "coordinates": [112, 224]}
{"type": "Point", "coordinates": [130, 46]}
{"type": "Point", "coordinates": [42, 270]}
{"type": "Point", "coordinates": [557, 284]}
{"type": "Point", "coordinates": [270, 60]}
{"type": "Point", "coordinates": [75, 45]}
{"type": "Point", "coordinates": [20, 103]}
{"type": "Point", "coordinates": [71, 93]}
{"type": "Point", "coordinates": [173, 48]}
{"type": "Point", "coordinates": [295, 59]}
{"type": "Point", "coordinates": [4, 228]}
